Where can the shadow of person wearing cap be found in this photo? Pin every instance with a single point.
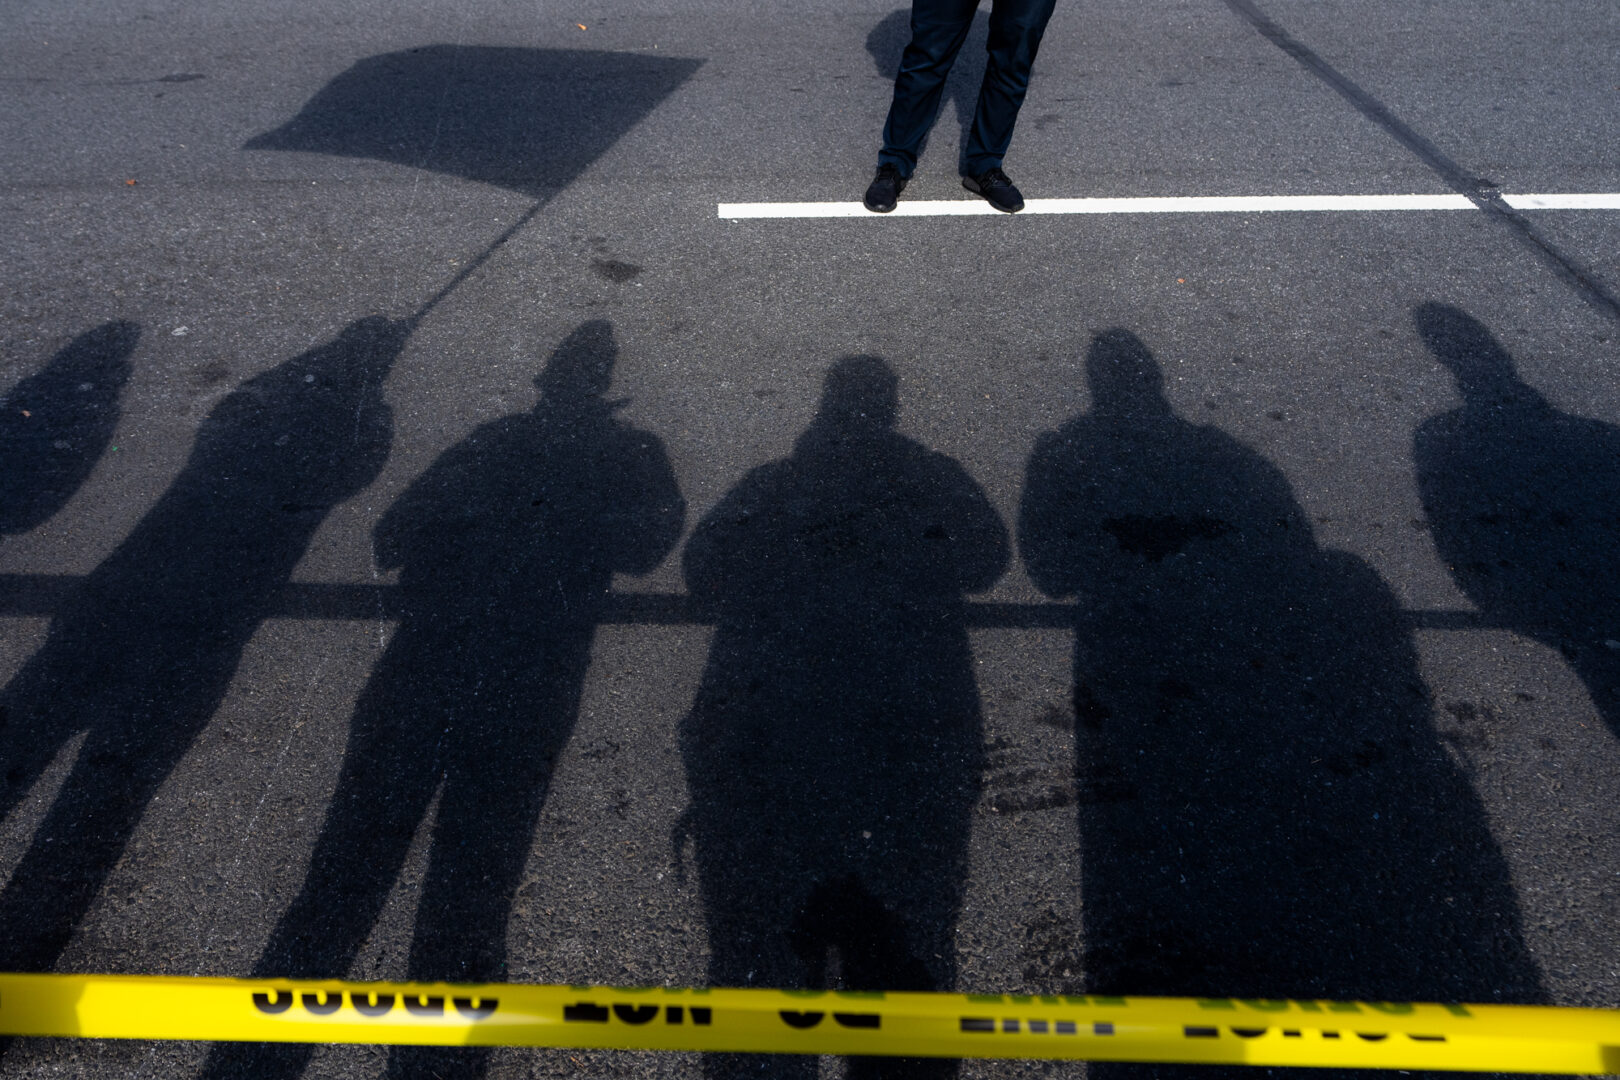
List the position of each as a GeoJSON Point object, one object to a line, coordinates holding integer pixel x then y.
{"type": "Point", "coordinates": [833, 751]}
{"type": "Point", "coordinates": [506, 548]}
{"type": "Point", "coordinates": [1523, 502]}
{"type": "Point", "coordinates": [141, 654]}
{"type": "Point", "coordinates": [1264, 808]}
{"type": "Point", "coordinates": [56, 423]}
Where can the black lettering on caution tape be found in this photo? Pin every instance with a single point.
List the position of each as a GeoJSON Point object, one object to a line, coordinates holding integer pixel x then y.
{"type": "Point", "coordinates": [589, 1012]}
{"type": "Point", "coordinates": [801, 1020]}
{"type": "Point", "coordinates": [1295, 1033]}
{"type": "Point", "coordinates": [323, 1002]}
{"type": "Point", "coordinates": [1051, 999]}
{"type": "Point", "coordinates": [586, 1012]}
{"type": "Point", "coordinates": [278, 1003]}
{"type": "Point", "coordinates": [987, 1025]}
{"type": "Point", "coordinates": [480, 1008]}
{"type": "Point", "coordinates": [635, 1014]}
{"type": "Point", "coordinates": [422, 1005]}
{"type": "Point", "coordinates": [370, 1003]}
{"type": "Point", "coordinates": [1274, 1005]}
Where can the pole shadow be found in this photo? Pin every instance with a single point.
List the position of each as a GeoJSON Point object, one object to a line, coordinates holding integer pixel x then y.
{"type": "Point", "coordinates": [506, 548]}
{"type": "Point", "coordinates": [56, 423]}
{"type": "Point", "coordinates": [140, 656]}
{"type": "Point", "coordinates": [834, 750]}
{"type": "Point", "coordinates": [1523, 503]}
{"type": "Point", "coordinates": [1264, 808]}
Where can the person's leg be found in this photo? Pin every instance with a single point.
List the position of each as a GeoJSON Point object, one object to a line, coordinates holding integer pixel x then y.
{"type": "Point", "coordinates": [1016, 27]}
{"type": "Point", "coordinates": [938, 28]}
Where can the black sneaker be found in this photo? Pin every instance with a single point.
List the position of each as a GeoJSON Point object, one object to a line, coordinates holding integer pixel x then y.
{"type": "Point", "coordinates": [997, 190]}
{"type": "Point", "coordinates": [885, 188]}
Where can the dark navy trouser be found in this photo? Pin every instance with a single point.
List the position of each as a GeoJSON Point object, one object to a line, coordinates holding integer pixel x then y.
{"type": "Point", "coordinates": [938, 28]}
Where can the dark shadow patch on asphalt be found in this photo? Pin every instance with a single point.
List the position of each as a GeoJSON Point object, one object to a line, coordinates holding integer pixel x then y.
{"type": "Point", "coordinates": [1524, 504]}
{"type": "Point", "coordinates": [530, 120]}
{"type": "Point", "coordinates": [834, 749]}
{"type": "Point", "coordinates": [505, 546]}
{"type": "Point", "coordinates": [40, 595]}
{"type": "Point", "coordinates": [56, 423]}
{"type": "Point", "coordinates": [1263, 801]}
{"type": "Point", "coordinates": [140, 655]}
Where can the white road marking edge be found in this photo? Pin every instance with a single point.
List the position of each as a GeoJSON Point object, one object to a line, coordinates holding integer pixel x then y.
{"type": "Point", "coordinates": [1214, 204]}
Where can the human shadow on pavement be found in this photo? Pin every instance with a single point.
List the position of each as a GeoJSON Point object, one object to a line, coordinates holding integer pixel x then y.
{"type": "Point", "coordinates": [141, 654]}
{"type": "Point", "coordinates": [56, 423]}
{"type": "Point", "coordinates": [887, 44]}
{"type": "Point", "coordinates": [1264, 808]}
{"type": "Point", "coordinates": [506, 548]}
{"type": "Point", "coordinates": [1523, 503]}
{"type": "Point", "coordinates": [833, 752]}
{"type": "Point", "coordinates": [530, 120]}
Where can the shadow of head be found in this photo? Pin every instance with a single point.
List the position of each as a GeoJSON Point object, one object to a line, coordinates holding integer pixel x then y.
{"type": "Point", "coordinates": [56, 423]}
{"type": "Point", "coordinates": [102, 352]}
{"type": "Point", "coordinates": [1124, 377]}
{"type": "Point", "coordinates": [860, 392]}
{"type": "Point", "coordinates": [99, 358]}
{"type": "Point", "coordinates": [1483, 369]}
{"type": "Point", "coordinates": [581, 368]}
{"type": "Point", "coordinates": [362, 354]}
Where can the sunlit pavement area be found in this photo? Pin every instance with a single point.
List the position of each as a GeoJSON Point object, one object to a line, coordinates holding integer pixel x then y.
{"type": "Point", "coordinates": [1319, 509]}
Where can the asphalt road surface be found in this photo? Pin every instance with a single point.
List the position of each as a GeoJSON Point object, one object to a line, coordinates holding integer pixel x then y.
{"type": "Point", "coordinates": [435, 543]}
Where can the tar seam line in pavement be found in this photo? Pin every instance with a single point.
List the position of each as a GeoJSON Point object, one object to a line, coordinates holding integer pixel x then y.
{"type": "Point", "coordinates": [1478, 190]}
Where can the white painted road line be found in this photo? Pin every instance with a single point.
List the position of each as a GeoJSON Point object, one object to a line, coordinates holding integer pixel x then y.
{"type": "Point", "coordinates": [1600, 201]}
{"type": "Point", "coordinates": [1214, 204]}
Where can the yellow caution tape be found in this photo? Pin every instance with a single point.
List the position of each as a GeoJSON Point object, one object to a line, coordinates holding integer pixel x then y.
{"type": "Point", "coordinates": [1236, 1031]}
